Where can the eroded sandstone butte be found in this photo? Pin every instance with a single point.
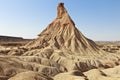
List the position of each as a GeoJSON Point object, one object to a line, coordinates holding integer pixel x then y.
{"type": "Point", "coordinates": [60, 52]}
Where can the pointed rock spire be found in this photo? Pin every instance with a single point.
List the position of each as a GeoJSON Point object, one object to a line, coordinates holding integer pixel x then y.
{"type": "Point", "coordinates": [61, 10]}
{"type": "Point", "coordinates": [62, 34]}
{"type": "Point", "coordinates": [63, 15]}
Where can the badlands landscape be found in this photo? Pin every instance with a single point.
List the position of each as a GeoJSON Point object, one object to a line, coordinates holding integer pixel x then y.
{"type": "Point", "coordinates": [60, 52]}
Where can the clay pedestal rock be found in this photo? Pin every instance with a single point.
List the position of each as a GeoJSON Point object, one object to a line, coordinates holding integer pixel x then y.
{"type": "Point", "coordinates": [62, 34]}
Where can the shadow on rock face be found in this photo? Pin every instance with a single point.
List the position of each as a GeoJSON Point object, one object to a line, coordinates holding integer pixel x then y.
{"type": "Point", "coordinates": [77, 73]}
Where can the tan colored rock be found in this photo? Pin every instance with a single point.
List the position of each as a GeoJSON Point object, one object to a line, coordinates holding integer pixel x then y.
{"type": "Point", "coordinates": [62, 34]}
{"type": "Point", "coordinates": [58, 50]}
{"type": "Point", "coordinates": [96, 74]}
{"type": "Point", "coordinates": [30, 75]}
{"type": "Point", "coordinates": [73, 75]}
{"type": "Point", "coordinates": [114, 72]}
{"type": "Point", "coordinates": [62, 43]}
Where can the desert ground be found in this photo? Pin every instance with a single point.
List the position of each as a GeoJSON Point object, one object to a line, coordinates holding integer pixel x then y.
{"type": "Point", "coordinates": [60, 52]}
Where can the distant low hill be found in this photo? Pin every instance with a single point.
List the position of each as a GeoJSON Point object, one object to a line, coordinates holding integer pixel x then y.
{"type": "Point", "coordinates": [13, 41]}
{"type": "Point", "coordinates": [10, 38]}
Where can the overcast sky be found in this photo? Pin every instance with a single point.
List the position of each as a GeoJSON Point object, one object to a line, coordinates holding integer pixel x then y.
{"type": "Point", "coordinates": [96, 19]}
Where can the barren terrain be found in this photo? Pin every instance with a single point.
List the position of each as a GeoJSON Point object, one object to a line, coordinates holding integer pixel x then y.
{"type": "Point", "coordinates": [61, 52]}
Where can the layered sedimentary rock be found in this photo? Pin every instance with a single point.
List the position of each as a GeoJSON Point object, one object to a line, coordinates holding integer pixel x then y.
{"type": "Point", "coordinates": [62, 35]}
{"type": "Point", "coordinates": [60, 52]}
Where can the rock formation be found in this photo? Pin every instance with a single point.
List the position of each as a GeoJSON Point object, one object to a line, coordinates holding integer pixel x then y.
{"type": "Point", "coordinates": [62, 34]}
{"type": "Point", "coordinates": [61, 52]}
{"type": "Point", "coordinates": [64, 44]}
